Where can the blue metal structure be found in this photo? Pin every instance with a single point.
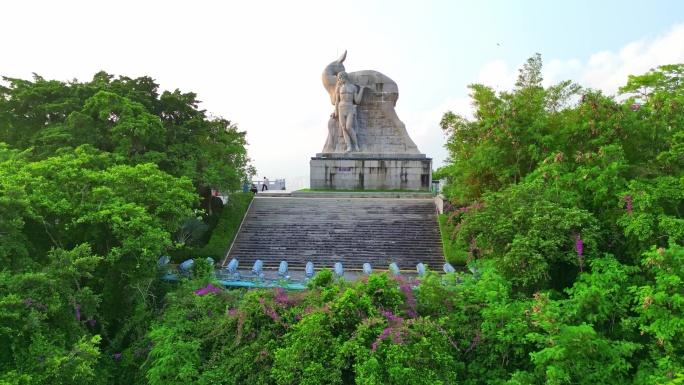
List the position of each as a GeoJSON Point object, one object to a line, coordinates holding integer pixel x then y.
{"type": "Point", "coordinates": [421, 269]}
{"type": "Point", "coordinates": [163, 261]}
{"type": "Point", "coordinates": [258, 266]}
{"type": "Point", "coordinates": [338, 270]}
{"type": "Point", "coordinates": [309, 271]}
{"type": "Point", "coordinates": [232, 266]}
{"type": "Point", "coordinates": [367, 269]}
{"type": "Point", "coordinates": [395, 269]}
{"type": "Point", "coordinates": [231, 277]}
{"type": "Point", "coordinates": [184, 268]}
{"type": "Point", "coordinates": [282, 270]}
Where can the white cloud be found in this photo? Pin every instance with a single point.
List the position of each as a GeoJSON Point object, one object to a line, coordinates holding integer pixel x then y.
{"type": "Point", "coordinates": [425, 131]}
{"type": "Point", "coordinates": [555, 71]}
{"type": "Point", "coordinates": [609, 70]}
{"type": "Point", "coordinates": [497, 75]}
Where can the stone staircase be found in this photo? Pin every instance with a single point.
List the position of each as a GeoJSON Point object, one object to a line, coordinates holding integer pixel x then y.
{"type": "Point", "coordinates": [348, 230]}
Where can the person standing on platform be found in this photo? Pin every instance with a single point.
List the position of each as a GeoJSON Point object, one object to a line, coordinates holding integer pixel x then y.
{"type": "Point", "coordinates": [265, 186]}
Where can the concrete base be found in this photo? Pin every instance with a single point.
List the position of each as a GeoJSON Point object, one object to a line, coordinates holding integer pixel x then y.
{"type": "Point", "coordinates": [367, 155]}
{"type": "Point", "coordinates": [360, 173]}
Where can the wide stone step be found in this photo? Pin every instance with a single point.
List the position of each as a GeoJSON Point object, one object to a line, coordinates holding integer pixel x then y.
{"type": "Point", "coordinates": [348, 230]}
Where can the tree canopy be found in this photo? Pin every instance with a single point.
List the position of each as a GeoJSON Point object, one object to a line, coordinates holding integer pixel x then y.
{"type": "Point", "coordinates": [129, 119]}
{"type": "Point", "coordinates": [577, 196]}
{"type": "Point", "coordinates": [564, 214]}
{"type": "Point", "coordinates": [95, 178]}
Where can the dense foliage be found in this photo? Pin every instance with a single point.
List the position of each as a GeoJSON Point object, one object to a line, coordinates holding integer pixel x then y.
{"type": "Point", "coordinates": [578, 197]}
{"type": "Point", "coordinates": [130, 119]}
{"type": "Point", "coordinates": [96, 180]}
{"type": "Point", "coordinates": [566, 204]}
{"type": "Point", "coordinates": [222, 235]}
{"type": "Point", "coordinates": [459, 328]}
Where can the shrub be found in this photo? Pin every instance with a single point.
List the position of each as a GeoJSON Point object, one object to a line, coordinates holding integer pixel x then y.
{"type": "Point", "coordinates": [452, 254]}
{"type": "Point", "coordinates": [222, 235]}
{"type": "Point", "coordinates": [231, 217]}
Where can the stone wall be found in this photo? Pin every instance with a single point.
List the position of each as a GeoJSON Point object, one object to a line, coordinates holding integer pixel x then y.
{"type": "Point", "coordinates": [371, 174]}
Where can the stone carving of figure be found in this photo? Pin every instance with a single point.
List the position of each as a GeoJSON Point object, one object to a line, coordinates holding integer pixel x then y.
{"type": "Point", "coordinates": [346, 97]}
{"type": "Point", "coordinates": [376, 122]}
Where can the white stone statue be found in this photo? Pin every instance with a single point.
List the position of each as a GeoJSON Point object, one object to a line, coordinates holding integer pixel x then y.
{"type": "Point", "coordinates": [364, 120]}
{"type": "Point", "coordinates": [345, 97]}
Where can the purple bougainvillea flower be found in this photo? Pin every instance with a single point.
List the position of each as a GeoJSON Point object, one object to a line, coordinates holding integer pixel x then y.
{"type": "Point", "coordinates": [628, 202]}
{"type": "Point", "coordinates": [210, 288]}
{"type": "Point", "coordinates": [391, 316]}
{"type": "Point", "coordinates": [385, 333]}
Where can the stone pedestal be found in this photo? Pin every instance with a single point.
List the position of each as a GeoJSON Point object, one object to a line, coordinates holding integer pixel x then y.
{"type": "Point", "coordinates": [366, 172]}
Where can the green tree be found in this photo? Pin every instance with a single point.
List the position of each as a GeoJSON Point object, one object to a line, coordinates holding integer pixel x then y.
{"type": "Point", "coordinates": [537, 239]}
{"type": "Point", "coordinates": [511, 132]}
{"type": "Point", "coordinates": [127, 117]}
{"type": "Point", "coordinates": [49, 320]}
{"type": "Point", "coordinates": [658, 303]}
{"type": "Point", "coordinates": [14, 246]}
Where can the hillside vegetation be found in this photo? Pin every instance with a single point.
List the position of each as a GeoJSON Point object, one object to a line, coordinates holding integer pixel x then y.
{"type": "Point", "coordinates": [565, 203]}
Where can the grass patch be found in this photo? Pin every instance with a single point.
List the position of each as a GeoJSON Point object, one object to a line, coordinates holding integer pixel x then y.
{"type": "Point", "coordinates": [226, 229]}
{"type": "Point", "coordinates": [452, 254]}
{"type": "Point", "coordinates": [231, 218]}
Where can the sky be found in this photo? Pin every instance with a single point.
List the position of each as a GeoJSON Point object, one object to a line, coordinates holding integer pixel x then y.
{"type": "Point", "coordinates": [259, 63]}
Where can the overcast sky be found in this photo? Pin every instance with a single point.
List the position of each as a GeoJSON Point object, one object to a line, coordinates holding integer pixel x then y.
{"type": "Point", "coordinates": [258, 63]}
